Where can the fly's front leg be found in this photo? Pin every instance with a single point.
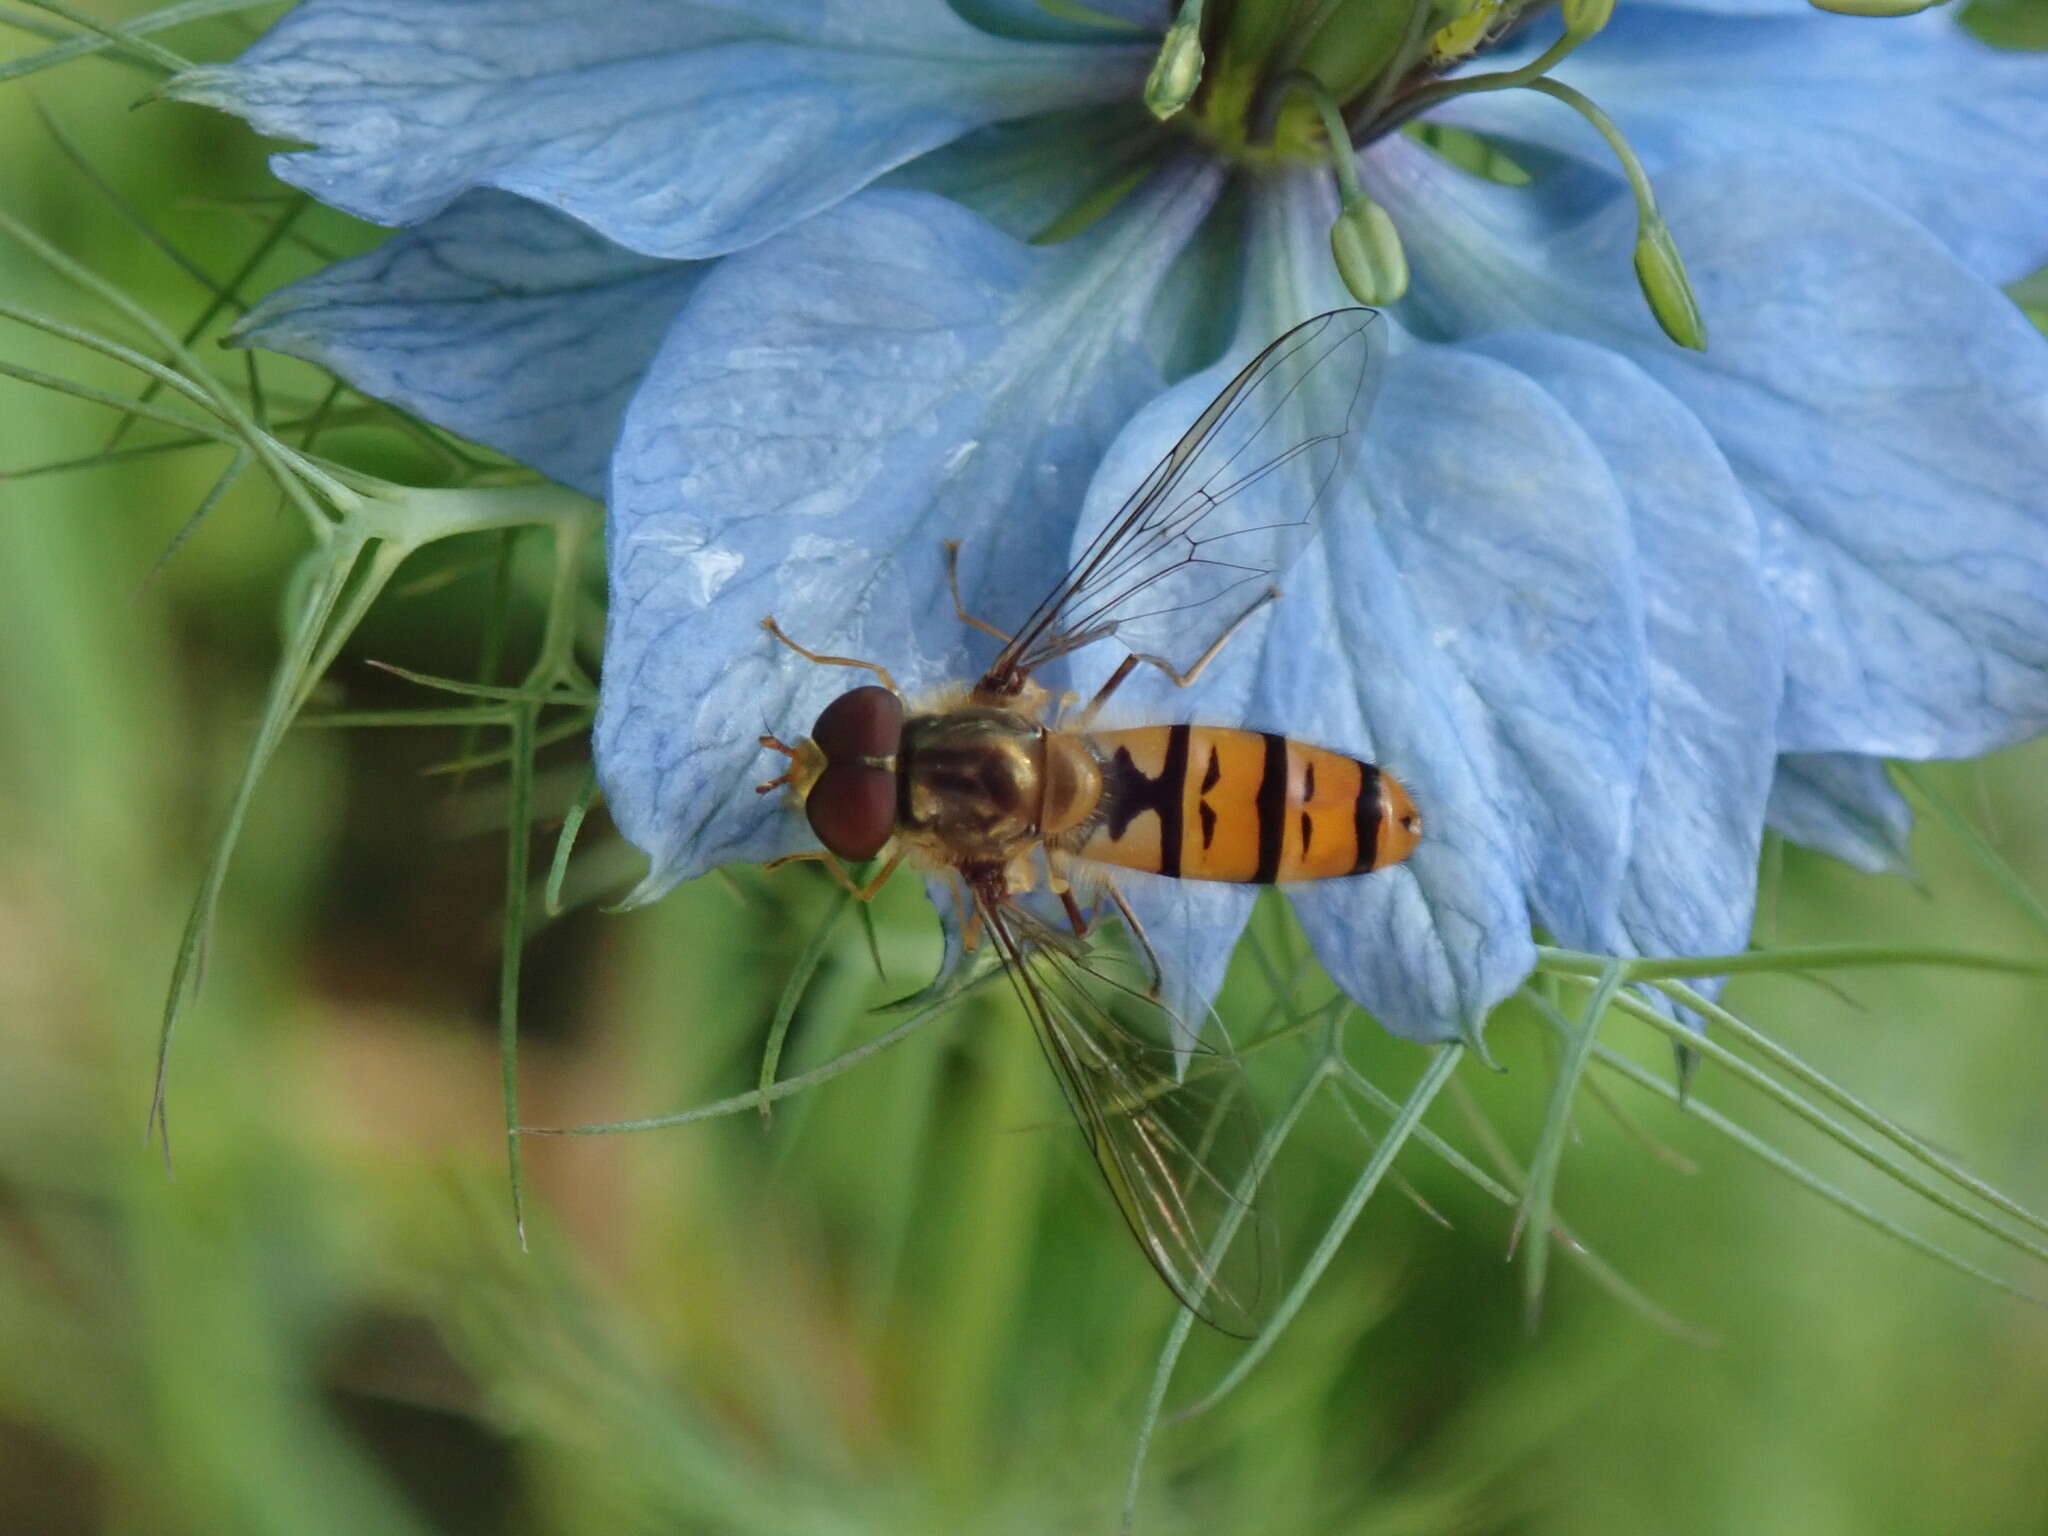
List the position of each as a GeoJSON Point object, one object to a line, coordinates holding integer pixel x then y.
{"type": "Point", "coordinates": [875, 667]}
{"type": "Point", "coordinates": [831, 862]}
{"type": "Point", "coordinates": [881, 878]}
{"type": "Point", "coordinates": [1180, 679]}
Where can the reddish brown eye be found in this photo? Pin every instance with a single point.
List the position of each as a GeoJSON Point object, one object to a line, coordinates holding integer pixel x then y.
{"type": "Point", "coordinates": [866, 722]}
{"type": "Point", "coordinates": [852, 807]}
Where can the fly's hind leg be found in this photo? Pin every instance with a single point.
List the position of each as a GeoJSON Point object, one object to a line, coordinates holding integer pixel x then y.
{"type": "Point", "coordinates": [1180, 679]}
{"type": "Point", "coordinates": [1138, 936]}
{"type": "Point", "coordinates": [1083, 922]}
{"type": "Point", "coordinates": [960, 608]}
{"type": "Point", "coordinates": [875, 667]}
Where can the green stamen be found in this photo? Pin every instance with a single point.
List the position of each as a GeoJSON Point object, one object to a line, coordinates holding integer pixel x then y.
{"type": "Point", "coordinates": [1363, 241]}
{"type": "Point", "coordinates": [1582, 19]}
{"type": "Point", "coordinates": [1177, 72]}
{"type": "Point", "coordinates": [1659, 269]}
{"type": "Point", "coordinates": [1874, 7]}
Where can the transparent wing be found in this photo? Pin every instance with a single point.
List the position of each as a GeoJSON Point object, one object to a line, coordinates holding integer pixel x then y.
{"type": "Point", "coordinates": [1176, 1152]}
{"type": "Point", "coordinates": [1205, 533]}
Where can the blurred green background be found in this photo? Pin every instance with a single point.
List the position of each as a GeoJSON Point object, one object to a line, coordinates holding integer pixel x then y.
{"type": "Point", "coordinates": [905, 1305]}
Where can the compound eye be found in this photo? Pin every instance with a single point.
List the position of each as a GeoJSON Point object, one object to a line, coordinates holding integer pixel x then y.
{"type": "Point", "coordinates": [852, 807]}
{"type": "Point", "coordinates": [865, 722]}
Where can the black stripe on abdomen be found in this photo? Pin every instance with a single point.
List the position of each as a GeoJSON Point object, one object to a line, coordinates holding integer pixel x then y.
{"type": "Point", "coordinates": [1170, 804]}
{"type": "Point", "coordinates": [1129, 792]}
{"type": "Point", "coordinates": [1366, 817]}
{"type": "Point", "coordinates": [1272, 807]}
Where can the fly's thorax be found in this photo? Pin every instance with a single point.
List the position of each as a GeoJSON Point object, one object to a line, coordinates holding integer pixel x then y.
{"type": "Point", "coordinates": [1073, 783]}
{"type": "Point", "coordinates": [974, 781]}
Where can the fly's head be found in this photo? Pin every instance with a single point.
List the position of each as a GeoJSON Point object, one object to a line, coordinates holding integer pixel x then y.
{"type": "Point", "coordinates": [844, 773]}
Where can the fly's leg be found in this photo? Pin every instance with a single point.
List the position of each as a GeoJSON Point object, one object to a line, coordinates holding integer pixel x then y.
{"type": "Point", "coordinates": [1143, 940]}
{"type": "Point", "coordinates": [960, 608]}
{"type": "Point", "coordinates": [1061, 885]}
{"type": "Point", "coordinates": [969, 914]}
{"type": "Point", "coordinates": [794, 754]}
{"type": "Point", "coordinates": [1083, 923]}
{"type": "Point", "coordinates": [881, 878]}
{"type": "Point", "coordinates": [1180, 679]}
{"type": "Point", "coordinates": [1123, 670]}
{"type": "Point", "coordinates": [815, 856]}
{"type": "Point", "coordinates": [831, 862]}
{"type": "Point", "coordinates": [1080, 921]}
{"type": "Point", "coordinates": [875, 667]}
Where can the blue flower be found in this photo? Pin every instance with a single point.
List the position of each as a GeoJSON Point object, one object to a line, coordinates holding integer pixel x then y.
{"type": "Point", "coordinates": [762, 276]}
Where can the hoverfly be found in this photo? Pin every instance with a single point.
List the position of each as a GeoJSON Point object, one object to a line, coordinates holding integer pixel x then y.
{"type": "Point", "coordinates": [998, 788]}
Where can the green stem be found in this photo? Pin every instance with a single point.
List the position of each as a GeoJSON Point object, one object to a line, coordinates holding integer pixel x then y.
{"type": "Point", "coordinates": [1841, 1134]}
{"type": "Point", "coordinates": [1533, 1218]}
{"type": "Point", "coordinates": [1614, 1061]}
{"type": "Point", "coordinates": [739, 1103]}
{"type": "Point", "coordinates": [1184, 1321]}
{"type": "Point", "coordinates": [792, 996]}
{"type": "Point", "coordinates": [1500, 80]}
{"type": "Point", "coordinates": [1812, 957]}
{"type": "Point", "coordinates": [1342, 161]}
{"type": "Point", "coordinates": [1828, 1089]}
{"type": "Point", "coordinates": [1581, 103]}
{"type": "Point", "coordinates": [1419, 1099]}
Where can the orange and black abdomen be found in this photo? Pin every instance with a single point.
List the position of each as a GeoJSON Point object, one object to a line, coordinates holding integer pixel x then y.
{"type": "Point", "coordinates": [1211, 803]}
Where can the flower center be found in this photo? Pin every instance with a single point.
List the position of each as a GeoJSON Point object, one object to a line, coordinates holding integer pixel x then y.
{"type": "Point", "coordinates": [1230, 64]}
{"type": "Point", "coordinates": [1298, 81]}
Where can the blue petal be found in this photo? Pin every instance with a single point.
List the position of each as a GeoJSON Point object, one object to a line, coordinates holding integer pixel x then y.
{"type": "Point", "coordinates": [1913, 110]}
{"type": "Point", "coordinates": [1471, 619]}
{"type": "Point", "coordinates": [1514, 549]}
{"type": "Point", "coordinates": [1716, 660]}
{"type": "Point", "coordinates": [827, 409]}
{"type": "Point", "coordinates": [677, 129]}
{"type": "Point", "coordinates": [1429, 946]}
{"type": "Point", "coordinates": [1021, 176]}
{"type": "Point", "coordinates": [1843, 805]}
{"type": "Point", "coordinates": [1885, 410]}
{"type": "Point", "coordinates": [1193, 927]}
{"type": "Point", "coordinates": [499, 319]}
{"type": "Point", "coordinates": [1426, 946]}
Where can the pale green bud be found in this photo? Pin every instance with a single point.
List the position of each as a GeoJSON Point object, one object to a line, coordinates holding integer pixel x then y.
{"type": "Point", "coordinates": [1661, 272]}
{"type": "Point", "coordinates": [1873, 7]}
{"type": "Point", "coordinates": [1367, 249]}
{"type": "Point", "coordinates": [1177, 72]}
{"type": "Point", "coordinates": [1582, 18]}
